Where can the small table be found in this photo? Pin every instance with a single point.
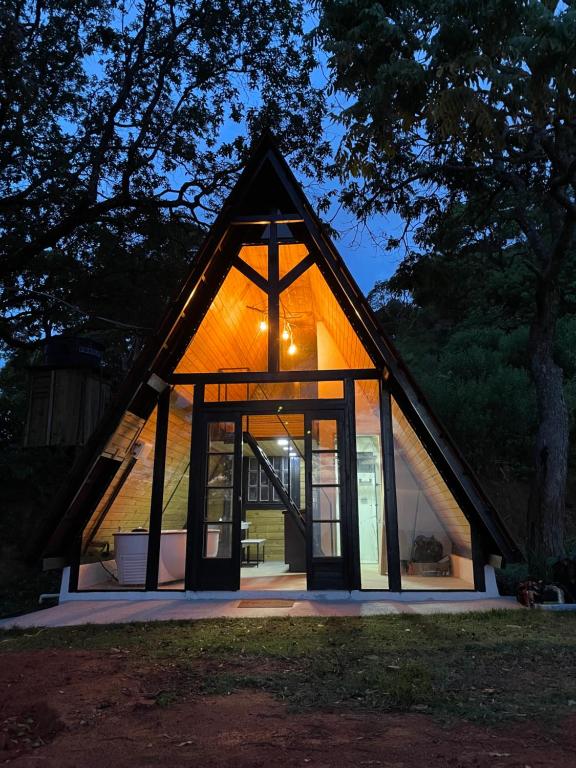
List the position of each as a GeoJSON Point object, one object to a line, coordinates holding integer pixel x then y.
{"type": "Point", "coordinates": [247, 543]}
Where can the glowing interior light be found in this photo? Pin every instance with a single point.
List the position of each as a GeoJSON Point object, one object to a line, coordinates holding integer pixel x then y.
{"type": "Point", "coordinates": [282, 441]}
{"type": "Point", "coordinates": [285, 448]}
{"type": "Point", "coordinates": [263, 325]}
{"type": "Point", "coordinates": [285, 334]}
{"type": "Point", "coordinates": [292, 349]}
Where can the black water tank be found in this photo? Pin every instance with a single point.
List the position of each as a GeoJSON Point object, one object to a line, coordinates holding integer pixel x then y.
{"type": "Point", "coordinates": [72, 352]}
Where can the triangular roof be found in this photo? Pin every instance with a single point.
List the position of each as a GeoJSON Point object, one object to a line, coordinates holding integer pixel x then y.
{"type": "Point", "coordinates": [266, 185]}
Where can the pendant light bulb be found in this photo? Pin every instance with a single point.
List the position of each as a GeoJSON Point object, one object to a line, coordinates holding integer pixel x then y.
{"type": "Point", "coordinates": [292, 349]}
{"type": "Point", "coordinates": [263, 325]}
{"type": "Point", "coordinates": [285, 334]}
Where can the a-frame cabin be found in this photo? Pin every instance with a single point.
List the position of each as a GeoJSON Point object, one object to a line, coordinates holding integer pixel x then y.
{"type": "Point", "coordinates": [270, 438]}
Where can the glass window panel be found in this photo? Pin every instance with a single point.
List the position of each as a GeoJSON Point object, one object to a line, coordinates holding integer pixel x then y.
{"type": "Point", "coordinates": [326, 540]}
{"type": "Point", "coordinates": [324, 435]}
{"type": "Point", "coordinates": [230, 336]}
{"type": "Point", "coordinates": [295, 489]}
{"type": "Point", "coordinates": [289, 256]}
{"type": "Point", "coordinates": [221, 470]}
{"type": "Point", "coordinates": [218, 540]}
{"type": "Point", "coordinates": [325, 469]}
{"type": "Point", "coordinates": [218, 504]}
{"type": "Point", "coordinates": [434, 535]}
{"type": "Point", "coordinates": [287, 390]}
{"type": "Point", "coordinates": [257, 257]}
{"type": "Point", "coordinates": [221, 437]}
{"type": "Point", "coordinates": [370, 487]}
{"type": "Point", "coordinates": [223, 393]}
{"type": "Point", "coordinates": [177, 467]}
{"type": "Point", "coordinates": [326, 503]}
{"type": "Point", "coordinates": [172, 563]}
{"type": "Point", "coordinates": [125, 506]}
{"type": "Point", "coordinates": [320, 336]}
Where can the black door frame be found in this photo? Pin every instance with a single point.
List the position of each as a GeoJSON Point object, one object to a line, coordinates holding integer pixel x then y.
{"type": "Point", "coordinates": [330, 573]}
{"type": "Point", "coordinates": [219, 573]}
{"type": "Point", "coordinates": [224, 573]}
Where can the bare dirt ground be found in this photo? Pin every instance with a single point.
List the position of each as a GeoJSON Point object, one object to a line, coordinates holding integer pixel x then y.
{"type": "Point", "coordinates": [68, 708]}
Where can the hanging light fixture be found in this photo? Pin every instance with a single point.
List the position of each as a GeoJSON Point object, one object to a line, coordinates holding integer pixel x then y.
{"type": "Point", "coordinates": [263, 325]}
{"type": "Point", "coordinates": [287, 335]}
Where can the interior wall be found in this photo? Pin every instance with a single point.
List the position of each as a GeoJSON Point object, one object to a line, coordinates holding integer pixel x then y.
{"type": "Point", "coordinates": [428, 514]}
{"type": "Point", "coordinates": [176, 473]}
{"type": "Point", "coordinates": [131, 507]}
{"type": "Point", "coordinates": [370, 486]}
{"type": "Point", "coordinates": [267, 524]}
{"type": "Point", "coordinates": [322, 333]}
{"type": "Point", "coordinates": [229, 336]}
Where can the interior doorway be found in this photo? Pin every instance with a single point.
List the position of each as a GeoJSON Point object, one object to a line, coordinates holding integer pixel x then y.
{"type": "Point", "coordinates": [273, 538]}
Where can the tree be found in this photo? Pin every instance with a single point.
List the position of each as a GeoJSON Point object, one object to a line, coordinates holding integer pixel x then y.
{"type": "Point", "coordinates": [464, 111]}
{"type": "Point", "coordinates": [121, 126]}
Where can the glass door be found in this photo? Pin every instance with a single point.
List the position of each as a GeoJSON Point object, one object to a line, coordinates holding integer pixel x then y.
{"type": "Point", "coordinates": [327, 524]}
{"type": "Point", "coordinates": [216, 504]}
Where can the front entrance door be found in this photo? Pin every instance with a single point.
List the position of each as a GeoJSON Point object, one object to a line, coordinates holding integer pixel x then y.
{"type": "Point", "coordinates": [215, 503]}
{"type": "Point", "coordinates": [327, 502]}
{"type": "Point", "coordinates": [214, 554]}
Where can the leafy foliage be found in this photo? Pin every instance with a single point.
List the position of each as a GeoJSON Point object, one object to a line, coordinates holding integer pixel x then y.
{"type": "Point", "coordinates": [461, 116]}
{"type": "Point", "coordinates": [121, 127]}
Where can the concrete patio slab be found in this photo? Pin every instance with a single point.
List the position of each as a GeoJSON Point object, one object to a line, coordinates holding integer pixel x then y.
{"type": "Point", "coordinates": [79, 612]}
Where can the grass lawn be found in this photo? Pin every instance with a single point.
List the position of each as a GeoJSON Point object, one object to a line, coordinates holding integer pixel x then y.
{"type": "Point", "coordinates": [485, 667]}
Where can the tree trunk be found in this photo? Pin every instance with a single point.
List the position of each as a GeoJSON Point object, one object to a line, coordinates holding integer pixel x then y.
{"type": "Point", "coordinates": [546, 506]}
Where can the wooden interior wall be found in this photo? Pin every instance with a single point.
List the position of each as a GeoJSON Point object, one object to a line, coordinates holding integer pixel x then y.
{"type": "Point", "coordinates": [124, 436]}
{"type": "Point", "coordinates": [311, 307]}
{"type": "Point", "coordinates": [289, 256]}
{"type": "Point", "coordinates": [176, 475]}
{"type": "Point", "coordinates": [131, 507]}
{"type": "Point", "coordinates": [118, 447]}
{"type": "Point", "coordinates": [267, 524]}
{"type": "Point", "coordinates": [429, 479]}
{"type": "Point", "coordinates": [269, 426]}
{"type": "Point", "coordinates": [257, 257]}
{"type": "Point", "coordinates": [329, 311]}
{"type": "Point", "coordinates": [229, 336]}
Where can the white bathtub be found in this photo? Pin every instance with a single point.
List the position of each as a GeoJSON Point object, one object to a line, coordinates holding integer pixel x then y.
{"type": "Point", "coordinates": [131, 550]}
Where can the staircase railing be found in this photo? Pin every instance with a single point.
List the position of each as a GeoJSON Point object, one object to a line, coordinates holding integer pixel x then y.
{"type": "Point", "coordinates": [276, 482]}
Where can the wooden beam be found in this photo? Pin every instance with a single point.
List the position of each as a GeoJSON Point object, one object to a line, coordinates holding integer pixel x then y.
{"type": "Point", "coordinates": [195, 516]}
{"type": "Point", "coordinates": [254, 377]}
{"type": "Point", "coordinates": [390, 507]}
{"type": "Point", "coordinates": [250, 273]}
{"type": "Point", "coordinates": [352, 524]}
{"type": "Point", "coordinates": [273, 301]}
{"type": "Point", "coordinates": [295, 273]}
{"type": "Point", "coordinates": [157, 496]}
{"type": "Point", "coordinates": [280, 218]}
